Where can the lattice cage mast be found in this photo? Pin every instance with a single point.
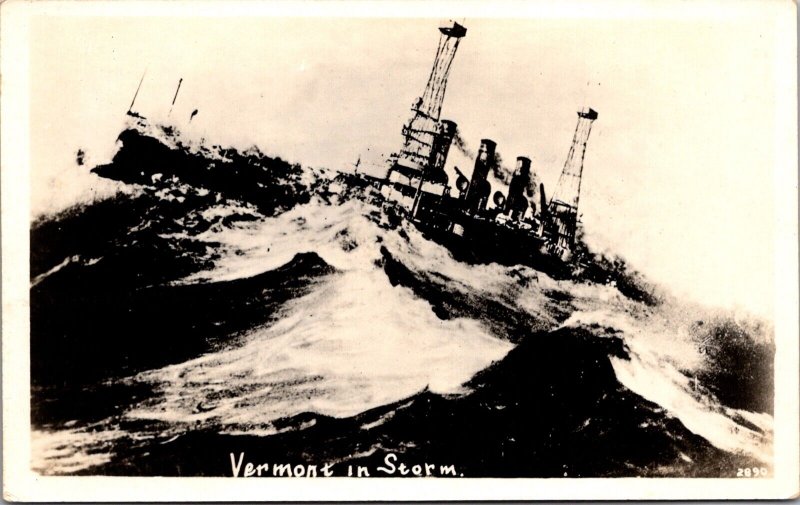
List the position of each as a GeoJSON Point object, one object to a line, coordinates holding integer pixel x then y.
{"type": "Point", "coordinates": [563, 208]}
{"type": "Point", "coordinates": [568, 188]}
{"type": "Point", "coordinates": [423, 127]}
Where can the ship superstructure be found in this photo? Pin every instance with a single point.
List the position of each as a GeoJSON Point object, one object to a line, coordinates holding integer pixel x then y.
{"type": "Point", "coordinates": [417, 187]}
{"type": "Point", "coordinates": [416, 173]}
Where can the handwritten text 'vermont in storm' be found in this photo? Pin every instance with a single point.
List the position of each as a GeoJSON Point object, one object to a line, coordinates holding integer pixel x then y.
{"type": "Point", "coordinates": [391, 466]}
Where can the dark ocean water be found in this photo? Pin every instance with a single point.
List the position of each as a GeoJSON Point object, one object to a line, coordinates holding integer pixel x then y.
{"type": "Point", "coordinates": [236, 305]}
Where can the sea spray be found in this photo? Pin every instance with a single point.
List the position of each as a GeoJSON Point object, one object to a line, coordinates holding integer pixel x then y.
{"type": "Point", "coordinates": [293, 310]}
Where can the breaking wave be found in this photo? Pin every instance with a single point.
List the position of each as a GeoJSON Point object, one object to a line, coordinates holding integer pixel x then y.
{"type": "Point", "coordinates": [192, 315]}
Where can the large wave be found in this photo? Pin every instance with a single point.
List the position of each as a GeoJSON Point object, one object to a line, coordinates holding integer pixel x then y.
{"type": "Point", "coordinates": [237, 300]}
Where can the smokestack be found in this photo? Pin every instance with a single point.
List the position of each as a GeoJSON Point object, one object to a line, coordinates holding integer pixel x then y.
{"type": "Point", "coordinates": [516, 203]}
{"type": "Point", "coordinates": [479, 187]}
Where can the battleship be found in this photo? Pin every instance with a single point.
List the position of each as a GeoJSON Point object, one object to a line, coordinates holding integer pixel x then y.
{"type": "Point", "coordinates": [417, 188]}
{"type": "Point", "coordinates": [476, 225]}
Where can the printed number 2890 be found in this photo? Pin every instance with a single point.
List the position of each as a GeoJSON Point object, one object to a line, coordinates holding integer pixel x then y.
{"type": "Point", "coordinates": [752, 472]}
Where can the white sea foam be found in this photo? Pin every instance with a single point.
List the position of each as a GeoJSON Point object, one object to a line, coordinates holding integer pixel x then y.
{"type": "Point", "coordinates": [354, 341]}
{"type": "Point", "coordinates": [661, 365]}
{"type": "Point", "coordinates": [340, 234]}
{"type": "Point", "coordinates": [353, 353]}
{"type": "Point", "coordinates": [340, 350]}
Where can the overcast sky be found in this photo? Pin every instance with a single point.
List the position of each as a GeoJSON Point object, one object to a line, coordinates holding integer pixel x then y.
{"type": "Point", "coordinates": [679, 169]}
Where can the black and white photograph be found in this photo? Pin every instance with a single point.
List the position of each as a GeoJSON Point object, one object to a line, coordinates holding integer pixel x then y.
{"type": "Point", "coordinates": [297, 243]}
